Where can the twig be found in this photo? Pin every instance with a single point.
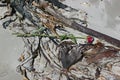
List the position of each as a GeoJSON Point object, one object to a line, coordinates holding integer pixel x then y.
{"type": "Point", "coordinates": [61, 37]}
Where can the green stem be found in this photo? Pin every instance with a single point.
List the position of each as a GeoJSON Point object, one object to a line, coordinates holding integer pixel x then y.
{"type": "Point", "coordinates": [44, 35]}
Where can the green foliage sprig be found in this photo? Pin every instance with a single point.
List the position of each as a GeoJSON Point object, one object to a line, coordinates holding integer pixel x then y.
{"type": "Point", "coordinates": [61, 37]}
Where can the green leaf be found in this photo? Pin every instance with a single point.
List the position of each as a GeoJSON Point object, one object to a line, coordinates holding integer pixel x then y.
{"type": "Point", "coordinates": [63, 37]}
{"type": "Point", "coordinates": [73, 38]}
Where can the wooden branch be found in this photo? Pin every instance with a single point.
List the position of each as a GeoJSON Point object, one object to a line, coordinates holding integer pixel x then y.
{"type": "Point", "coordinates": [96, 34]}
{"type": "Point", "coordinates": [83, 29]}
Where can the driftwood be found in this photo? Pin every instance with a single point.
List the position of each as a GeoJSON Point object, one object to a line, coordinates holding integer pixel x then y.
{"type": "Point", "coordinates": [83, 29]}
{"type": "Point", "coordinates": [96, 34]}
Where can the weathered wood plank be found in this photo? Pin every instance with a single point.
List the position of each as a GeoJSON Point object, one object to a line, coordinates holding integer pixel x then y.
{"type": "Point", "coordinates": [96, 34]}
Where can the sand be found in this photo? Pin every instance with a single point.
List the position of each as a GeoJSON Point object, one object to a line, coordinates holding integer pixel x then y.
{"type": "Point", "coordinates": [10, 49]}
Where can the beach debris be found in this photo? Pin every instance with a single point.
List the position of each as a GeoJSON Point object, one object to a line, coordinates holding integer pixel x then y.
{"type": "Point", "coordinates": [21, 58]}
{"type": "Point", "coordinates": [25, 75]}
{"type": "Point", "coordinates": [100, 56]}
{"type": "Point", "coordinates": [71, 53]}
{"type": "Point", "coordinates": [53, 51]}
{"type": "Point", "coordinates": [90, 39]}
